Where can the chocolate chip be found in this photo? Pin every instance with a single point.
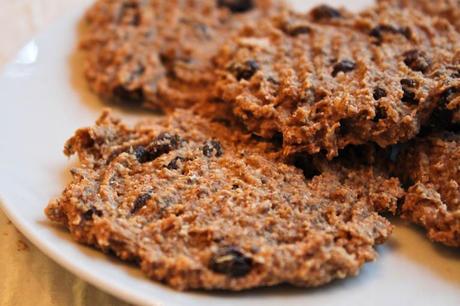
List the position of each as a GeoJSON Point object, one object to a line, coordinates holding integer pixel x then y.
{"type": "Point", "coordinates": [417, 60]}
{"type": "Point", "coordinates": [231, 262]}
{"type": "Point", "coordinates": [343, 66]}
{"type": "Point", "coordinates": [140, 202]}
{"type": "Point", "coordinates": [126, 96]}
{"type": "Point", "coordinates": [325, 12]}
{"type": "Point", "coordinates": [246, 70]}
{"type": "Point", "coordinates": [212, 147]}
{"type": "Point", "coordinates": [380, 30]}
{"type": "Point", "coordinates": [173, 164]}
{"type": "Point", "coordinates": [236, 6]}
{"type": "Point", "coordinates": [163, 144]}
{"type": "Point", "coordinates": [88, 215]}
{"type": "Point", "coordinates": [305, 163]}
{"type": "Point", "coordinates": [379, 93]}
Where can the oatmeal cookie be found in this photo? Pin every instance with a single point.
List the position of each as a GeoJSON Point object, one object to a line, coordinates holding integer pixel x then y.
{"type": "Point", "coordinates": [430, 166]}
{"type": "Point", "coordinates": [329, 78]}
{"type": "Point", "coordinates": [199, 205]}
{"type": "Point", "coordinates": [157, 53]}
{"type": "Point", "coordinates": [448, 9]}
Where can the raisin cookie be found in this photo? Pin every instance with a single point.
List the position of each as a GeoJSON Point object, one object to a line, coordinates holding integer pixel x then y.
{"type": "Point", "coordinates": [329, 78]}
{"type": "Point", "coordinates": [431, 167]}
{"type": "Point", "coordinates": [157, 53]}
{"type": "Point", "coordinates": [448, 9]}
{"type": "Point", "coordinates": [199, 205]}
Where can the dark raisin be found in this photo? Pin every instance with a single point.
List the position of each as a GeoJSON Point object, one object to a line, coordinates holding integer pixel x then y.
{"type": "Point", "coordinates": [447, 95]}
{"type": "Point", "coordinates": [305, 163]}
{"type": "Point", "coordinates": [173, 164]}
{"type": "Point", "coordinates": [455, 75]}
{"type": "Point", "coordinates": [325, 12]}
{"type": "Point", "coordinates": [379, 30]}
{"type": "Point", "coordinates": [343, 66]}
{"type": "Point", "coordinates": [235, 186]}
{"type": "Point", "coordinates": [231, 262]}
{"type": "Point", "coordinates": [295, 30]}
{"type": "Point", "coordinates": [409, 83]}
{"type": "Point", "coordinates": [88, 215]}
{"type": "Point", "coordinates": [409, 96]}
{"type": "Point", "coordinates": [380, 113]}
{"type": "Point", "coordinates": [163, 144]}
{"type": "Point", "coordinates": [212, 147]}
{"type": "Point", "coordinates": [246, 70]}
{"type": "Point", "coordinates": [140, 202]}
{"type": "Point", "coordinates": [379, 93]}
{"type": "Point", "coordinates": [236, 6]}
{"type": "Point", "coordinates": [126, 96]}
{"type": "Point", "coordinates": [417, 60]}
{"type": "Point", "coordinates": [142, 154]}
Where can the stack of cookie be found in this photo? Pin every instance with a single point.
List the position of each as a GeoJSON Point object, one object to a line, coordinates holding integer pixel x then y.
{"type": "Point", "coordinates": [285, 135]}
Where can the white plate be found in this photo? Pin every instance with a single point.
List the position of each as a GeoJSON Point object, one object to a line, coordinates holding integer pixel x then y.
{"type": "Point", "coordinates": [44, 99]}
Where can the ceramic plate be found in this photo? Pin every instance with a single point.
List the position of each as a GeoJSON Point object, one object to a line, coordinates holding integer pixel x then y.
{"type": "Point", "coordinates": [44, 100]}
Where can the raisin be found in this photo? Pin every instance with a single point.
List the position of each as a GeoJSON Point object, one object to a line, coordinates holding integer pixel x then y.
{"type": "Point", "coordinates": [88, 215]}
{"type": "Point", "coordinates": [231, 262]}
{"type": "Point", "coordinates": [380, 113]}
{"type": "Point", "coordinates": [409, 95]}
{"type": "Point", "coordinates": [447, 95]}
{"type": "Point", "coordinates": [236, 6]}
{"type": "Point", "coordinates": [379, 93]}
{"type": "Point", "coordinates": [343, 66]}
{"type": "Point", "coordinates": [142, 155]}
{"type": "Point", "coordinates": [417, 60]}
{"type": "Point", "coordinates": [212, 147]}
{"type": "Point", "coordinates": [455, 75]}
{"type": "Point", "coordinates": [305, 163]}
{"type": "Point", "coordinates": [172, 165]}
{"type": "Point", "coordinates": [325, 12]}
{"type": "Point", "coordinates": [379, 30]}
{"type": "Point", "coordinates": [409, 83]}
{"type": "Point", "coordinates": [246, 70]}
{"type": "Point", "coordinates": [163, 144]}
{"type": "Point", "coordinates": [140, 202]}
{"type": "Point", "coordinates": [295, 30]}
{"type": "Point", "coordinates": [126, 96]}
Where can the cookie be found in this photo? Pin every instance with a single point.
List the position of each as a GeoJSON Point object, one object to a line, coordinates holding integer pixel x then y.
{"type": "Point", "coordinates": [429, 166]}
{"type": "Point", "coordinates": [448, 9]}
{"type": "Point", "coordinates": [158, 53]}
{"type": "Point", "coordinates": [328, 79]}
{"type": "Point", "coordinates": [199, 205]}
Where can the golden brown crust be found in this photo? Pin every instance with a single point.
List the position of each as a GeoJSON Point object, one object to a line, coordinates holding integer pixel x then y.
{"type": "Point", "coordinates": [347, 79]}
{"type": "Point", "coordinates": [201, 206]}
{"type": "Point", "coordinates": [431, 167]}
